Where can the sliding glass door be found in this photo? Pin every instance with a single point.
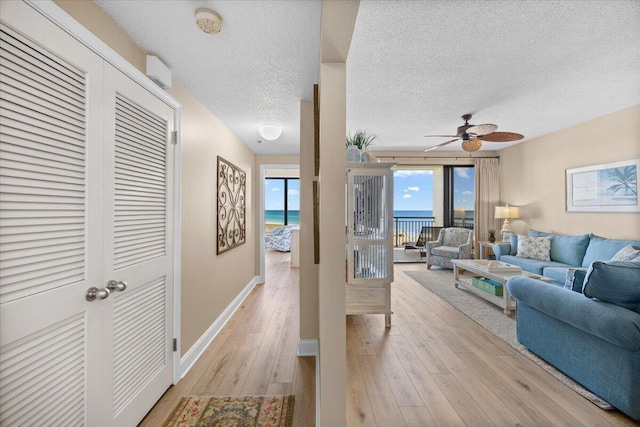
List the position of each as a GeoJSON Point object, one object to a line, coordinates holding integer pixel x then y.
{"type": "Point", "coordinates": [459, 196]}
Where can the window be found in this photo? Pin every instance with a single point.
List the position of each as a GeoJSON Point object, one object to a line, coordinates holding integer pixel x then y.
{"type": "Point", "coordinates": [281, 201]}
{"type": "Point", "coordinates": [413, 205]}
{"type": "Point", "coordinates": [459, 196]}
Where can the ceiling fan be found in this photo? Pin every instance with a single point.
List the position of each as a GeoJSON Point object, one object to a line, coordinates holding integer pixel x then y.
{"type": "Point", "coordinates": [473, 135]}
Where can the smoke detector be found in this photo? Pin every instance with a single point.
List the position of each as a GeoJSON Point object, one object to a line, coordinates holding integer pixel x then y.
{"type": "Point", "coordinates": [208, 21]}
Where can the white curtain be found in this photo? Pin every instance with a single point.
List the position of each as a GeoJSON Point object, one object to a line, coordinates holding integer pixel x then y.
{"type": "Point", "coordinates": [487, 198]}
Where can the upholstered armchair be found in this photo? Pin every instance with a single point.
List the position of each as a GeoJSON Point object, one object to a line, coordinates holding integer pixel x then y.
{"type": "Point", "coordinates": [452, 243]}
{"type": "Point", "coordinates": [279, 239]}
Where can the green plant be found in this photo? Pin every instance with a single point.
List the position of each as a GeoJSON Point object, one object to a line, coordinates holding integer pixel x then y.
{"type": "Point", "coordinates": [360, 139]}
{"type": "Point", "coordinates": [491, 233]}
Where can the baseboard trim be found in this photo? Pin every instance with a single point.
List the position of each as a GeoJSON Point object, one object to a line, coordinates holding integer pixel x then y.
{"type": "Point", "coordinates": [194, 353]}
{"type": "Point", "coordinates": [307, 348]}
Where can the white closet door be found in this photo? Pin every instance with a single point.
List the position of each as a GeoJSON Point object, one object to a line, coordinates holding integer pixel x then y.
{"type": "Point", "coordinates": [138, 246]}
{"type": "Point", "coordinates": [50, 224]}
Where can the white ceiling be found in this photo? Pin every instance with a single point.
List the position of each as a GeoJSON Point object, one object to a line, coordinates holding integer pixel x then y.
{"type": "Point", "coordinates": [414, 67]}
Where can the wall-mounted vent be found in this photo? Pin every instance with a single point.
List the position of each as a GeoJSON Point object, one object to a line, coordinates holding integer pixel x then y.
{"type": "Point", "coordinates": [158, 72]}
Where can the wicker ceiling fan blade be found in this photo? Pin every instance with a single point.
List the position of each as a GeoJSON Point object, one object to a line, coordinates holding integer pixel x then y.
{"type": "Point", "coordinates": [440, 136]}
{"type": "Point", "coordinates": [480, 130]}
{"type": "Point", "coordinates": [501, 137]}
{"type": "Point", "coordinates": [442, 145]}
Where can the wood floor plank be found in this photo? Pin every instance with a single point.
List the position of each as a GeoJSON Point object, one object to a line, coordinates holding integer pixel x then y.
{"type": "Point", "coordinates": [284, 363]}
{"type": "Point", "coordinates": [577, 406]}
{"type": "Point", "coordinates": [237, 368]}
{"type": "Point", "coordinates": [522, 408]}
{"type": "Point", "coordinates": [259, 373]}
{"type": "Point", "coordinates": [423, 350]}
{"type": "Point", "coordinates": [495, 408]}
{"type": "Point", "coordinates": [403, 389]}
{"type": "Point", "coordinates": [466, 407]}
{"type": "Point", "coordinates": [359, 411]}
{"type": "Point", "coordinates": [436, 403]}
{"type": "Point", "coordinates": [361, 343]}
{"type": "Point", "coordinates": [278, 388]}
{"type": "Point", "coordinates": [383, 403]}
{"type": "Point", "coordinates": [417, 416]}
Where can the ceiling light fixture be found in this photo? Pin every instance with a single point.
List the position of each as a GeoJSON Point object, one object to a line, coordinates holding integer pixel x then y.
{"type": "Point", "coordinates": [270, 131]}
{"type": "Point", "coordinates": [471, 144]}
{"type": "Point", "coordinates": [208, 21]}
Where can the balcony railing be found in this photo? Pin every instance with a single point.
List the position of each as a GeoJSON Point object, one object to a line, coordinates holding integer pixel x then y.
{"type": "Point", "coordinates": [407, 229]}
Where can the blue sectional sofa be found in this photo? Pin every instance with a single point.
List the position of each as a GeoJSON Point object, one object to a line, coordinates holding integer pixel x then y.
{"type": "Point", "coordinates": [589, 330]}
{"type": "Point", "coordinates": [596, 343]}
{"type": "Point", "coordinates": [566, 252]}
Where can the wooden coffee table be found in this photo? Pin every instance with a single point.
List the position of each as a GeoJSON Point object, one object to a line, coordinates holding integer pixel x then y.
{"type": "Point", "coordinates": [479, 267]}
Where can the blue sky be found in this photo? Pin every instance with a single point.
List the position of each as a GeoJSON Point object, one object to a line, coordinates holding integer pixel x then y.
{"type": "Point", "coordinates": [274, 194]}
{"type": "Point", "coordinates": [413, 189]}
{"type": "Point", "coordinates": [463, 188]}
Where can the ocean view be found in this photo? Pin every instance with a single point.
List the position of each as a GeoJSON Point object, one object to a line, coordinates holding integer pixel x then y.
{"type": "Point", "coordinates": [277, 217]}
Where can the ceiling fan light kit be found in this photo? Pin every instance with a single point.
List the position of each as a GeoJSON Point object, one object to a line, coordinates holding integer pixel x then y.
{"type": "Point", "coordinates": [471, 144]}
{"type": "Point", "coordinates": [473, 135]}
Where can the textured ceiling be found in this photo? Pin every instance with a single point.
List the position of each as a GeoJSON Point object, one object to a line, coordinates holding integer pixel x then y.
{"type": "Point", "coordinates": [531, 67]}
{"type": "Point", "coordinates": [414, 67]}
{"type": "Point", "coordinates": [263, 62]}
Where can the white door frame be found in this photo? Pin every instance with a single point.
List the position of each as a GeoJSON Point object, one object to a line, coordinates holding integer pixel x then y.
{"type": "Point", "coordinates": [63, 20]}
{"type": "Point", "coordinates": [263, 171]}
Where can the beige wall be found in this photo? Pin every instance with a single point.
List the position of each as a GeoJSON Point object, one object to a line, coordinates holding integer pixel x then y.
{"type": "Point", "coordinates": [309, 321]}
{"type": "Point", "coordinates": [533, 175]}
{"type": "Point", "coordinates": [209, 282]}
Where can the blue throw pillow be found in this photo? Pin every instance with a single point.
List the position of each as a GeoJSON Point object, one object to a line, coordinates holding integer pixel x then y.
{"type": "Point", "coordinates": [575, 281]}
{"type": "Point", "coordinates": [564, 248]}
{"type": "Point", "coordinates": [601, 249]}
{"type": "Point", "coordinates": [513, 240]}
{"type": "Point", "coordinates": [615, 282]}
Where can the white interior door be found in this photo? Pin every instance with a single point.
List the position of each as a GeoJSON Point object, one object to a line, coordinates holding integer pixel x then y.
{"type": "Point", "coordinates": [137, 239]}
{"type": "Point", "coordinates": [85, 198]}
{"type": "Point", "coordinates": [50, 223]}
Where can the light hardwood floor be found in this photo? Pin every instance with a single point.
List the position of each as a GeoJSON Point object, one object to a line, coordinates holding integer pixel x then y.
{"type": "Point", "coordinates": [255, 352]}
{"type": "Point", "coordinates": [433, 367]}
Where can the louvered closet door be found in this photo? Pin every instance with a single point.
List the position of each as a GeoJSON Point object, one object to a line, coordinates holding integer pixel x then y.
{"type": "Point", "coordinates": [50, 224]}
{"type": "Point", "coordinates": [138, 246]}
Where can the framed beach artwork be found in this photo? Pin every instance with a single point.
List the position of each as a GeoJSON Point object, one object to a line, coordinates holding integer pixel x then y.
{"type": "Point", "coordinates": [610, 187]}
{"type": "Point", "coordinates": [232, 184]}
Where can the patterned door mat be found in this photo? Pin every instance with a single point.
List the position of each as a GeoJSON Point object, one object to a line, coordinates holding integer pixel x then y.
{"type": "Point", "coordinates": [246, 411]}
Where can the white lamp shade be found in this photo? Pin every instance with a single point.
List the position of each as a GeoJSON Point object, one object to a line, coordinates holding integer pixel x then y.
{"type": "Point", "coordinates": [270, 131]}
{"type": "Point", "coordinates": [507, 212]}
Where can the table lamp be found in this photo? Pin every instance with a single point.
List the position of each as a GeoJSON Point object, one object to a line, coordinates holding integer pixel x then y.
{"type": "Point", "coordinates": [506, 212]}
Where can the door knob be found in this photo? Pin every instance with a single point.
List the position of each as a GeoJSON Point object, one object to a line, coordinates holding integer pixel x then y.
{"type": "Point", "coordinates": [95, 293]}
{"type": "Point", "coordinates": [113, 285]}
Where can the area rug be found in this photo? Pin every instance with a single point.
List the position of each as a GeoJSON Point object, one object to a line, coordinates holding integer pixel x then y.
{"type": "Point", "coordinates": [241, 411]}
{"type": "Point", "coordinates": [492, 318]}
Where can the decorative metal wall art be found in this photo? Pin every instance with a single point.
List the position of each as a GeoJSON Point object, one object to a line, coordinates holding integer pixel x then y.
{"type": "Point", "coordinates": [232, 184]}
